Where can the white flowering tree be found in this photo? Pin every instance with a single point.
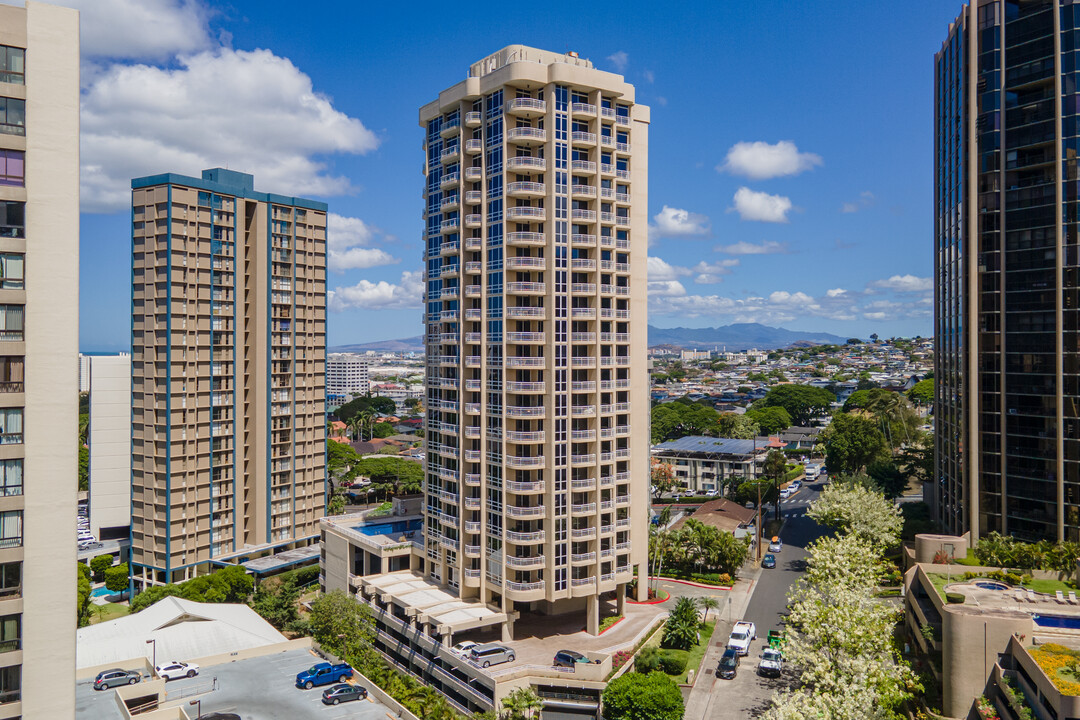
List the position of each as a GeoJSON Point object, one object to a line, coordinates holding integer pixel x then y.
{"type": "Point", "coordinates": [859, 511]}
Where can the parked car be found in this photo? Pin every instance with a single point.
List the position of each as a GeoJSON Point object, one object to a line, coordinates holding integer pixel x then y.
{"type": "Point", "coordinates": [769, 561]}
{"type": "Point", "coordinates": [771, 663]}
{"type": "Point", "coordinates": [776, 545]}
{"type": "Point", "coordinates": [741, 636]}
{"type": "Point", "coordinates": [343, 692]}
{"type": "Point", "coordinates": [323, 674]}
{"type": "Point", "coordinates": [795, 485]}
{"type": "Point", "coordinates": [116, 677]}
{"type": "Point", "coordinates": [729, 663]}
{"type": "Point", "coordinates": [569, 658]}
{"type": "Point", "coordinates": [491, 654]}
{"type": "Point", "coordinates": [175, 670]}
{"type": "Point", "coordinates": [463, 648]}
{"type": "Point", "coordinates": [90, 544]}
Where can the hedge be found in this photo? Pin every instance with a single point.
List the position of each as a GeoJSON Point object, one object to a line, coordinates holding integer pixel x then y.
{"type": "Point", "coordinates": [667, 661]}
{"type": "Point", "coordinates": [954, 598]}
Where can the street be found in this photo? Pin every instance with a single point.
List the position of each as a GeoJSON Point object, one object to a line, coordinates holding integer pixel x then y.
{"type": "Point", "coordinates": [748, 695]}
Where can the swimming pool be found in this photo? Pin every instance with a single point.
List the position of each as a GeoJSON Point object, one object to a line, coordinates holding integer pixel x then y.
{"type": "Point", "coordinates": [991, 585]}
{"type": "Point", "coordinates": [101, 592]}
{"type": "Point", "coordinates": [390, 528]}
{"type": "Point", "coordinates": [1057, 621]}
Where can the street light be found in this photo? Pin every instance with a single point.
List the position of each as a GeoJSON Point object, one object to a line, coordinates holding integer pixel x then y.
{"type": "Point", "coordinates": [153, 642]}
{"type": "Point", "coordinates": [198, 711]}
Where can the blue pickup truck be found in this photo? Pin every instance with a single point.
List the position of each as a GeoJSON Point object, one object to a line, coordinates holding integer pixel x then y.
{"type": "Point", "coordinates": [323, 674]}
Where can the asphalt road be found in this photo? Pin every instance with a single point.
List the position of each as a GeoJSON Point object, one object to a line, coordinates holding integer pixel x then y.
{"type": "Point", "coordinates": [748, 695]}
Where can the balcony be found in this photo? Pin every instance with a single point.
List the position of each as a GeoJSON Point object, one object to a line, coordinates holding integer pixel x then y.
{"type": "Point", "coordinates": [582, 190]}
{"type": "Point", "coordinates": [472, 503]}
{"type": "Point", "coordinates": [524, 562]}
{"type": "Point", "coordinates": [583, 509]}
{"type": "Point", "coordinates": [525, 238]}
{"type": "Point", "coordinates": [526, 107]}
{"type": "Point", "coordinates": [526, 338]}
{"type": "Point", "coordinates": [527, 165]}
{"type": "Point", "coordinates": [583, 215]}
{"type": "Point", "coordinates": [449, 180]}
{"type": "Point", "coordinates": [474, 244]}
{"type": "Point", "coordinates": [532, 362]}
{"type": "Point", "coordinates": [582, 435]}
{"type": "Point", "coordinates": [474, 119]}
{"type": "Point", "coordinates": [583, 110]}
{"type": "Point", "coordinates": [474, 174]}
{"type": "Point", "coordinates": [524, 586]}
{"type": "Point", "coordinates": [582, 581]}
{"type": "Point", "coordinates": [583, 533]}
{"type": "Point", "coordinates": [581, 337]}
{"type": "Point", "coordinates": [522, 462]}
{"type": "Point", "coordinates": [449, 270]}
{"type": "Point", "coordinates": [472, 479]}
{"type": "Point", "coordinates": [450, 155]}
{"type": "Point", "coordinates": [583, 313]}
{"type": "Point", "coordinates": [523, 188]}
{"type": "Point", "coordinates": [525, 488]}
{"type": "Point", "coordinates": [447, 227]}
{"type": "Point", "coordinates": [519, 436]}
{"type": "Point", "coordinates": [526, 387]}
{"type": "Point", "coordinates": [583, 240]}
{"type": "Point", "coordinates": [583, 410]}
{"type": "Point", "coordinates": [525, 512]}
{"type": "Point", "coordinates": [584, 459]}
{"type": "Point", "coordinates": [450, 202]}
{"type": "Point", "coordinates": [474, 146]}
{"type": "Point", "coordinates": [474, 220]}
{"type": "Point", "coordinates": [582, 264]}
{"type": "Point", "coordinates": [526, 136]}
{"type": "Point", "coordinates": [526, 288]}
{"type": "Point", "coordinates": [526, 213]}
{"type": "Point", "coordinates": [580, 138]}
{"type": "Point", "coordinates": [473, 291]}
{"type": "Point", "coordinates": [474, 267]}
{"type": "Point", "coordinates": [450, 128]}
{"type": "Point", "coordinates": [525, 538]}
{"type": "Point", "coordinates": [526, 263]}
{"type": "Point", "coordinates": [474, 196]}
{"type": "Point", "coordinates": [515, 311]}
{"type": "Point", "coordinates": [526, 411]}
{"type": "Point", "coordinates": [582, 167]}
{"type": "Point", "coordinates": [583, 484]}
{"type": "Point", "coordinates": [586, 557]}
{"type": "Point", "coordinates": [583, 362]}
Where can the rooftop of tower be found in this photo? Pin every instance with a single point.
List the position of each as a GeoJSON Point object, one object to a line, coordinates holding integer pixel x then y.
{"type": "Point", "coordinates": [524, 53]}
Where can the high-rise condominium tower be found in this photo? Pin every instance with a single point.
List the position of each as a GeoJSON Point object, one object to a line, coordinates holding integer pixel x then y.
{"type": "Point", "coordinates": [1006, 270]}
{"type": "Point", "coordinates": [536, 432]}
{"type": "Point", "coordinates": [228, 361]}
{"type": "Point", "coordinates": [39, 331]}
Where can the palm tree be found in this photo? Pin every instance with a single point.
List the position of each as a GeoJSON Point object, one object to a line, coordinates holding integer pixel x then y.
{"type": "Point", "coordinates": [356, 428]}
{"type": "Point", "coordinates": [707, 604]}
{"type": "Point", "coordinates": [521, 704]}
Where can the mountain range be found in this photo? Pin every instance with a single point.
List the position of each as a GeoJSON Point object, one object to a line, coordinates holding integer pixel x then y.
{"type": "Point", "coordinates": [739, 336]}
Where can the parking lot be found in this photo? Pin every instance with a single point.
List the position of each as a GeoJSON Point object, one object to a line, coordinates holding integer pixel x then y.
{"type": "Point", "coordinates": [256, 689]}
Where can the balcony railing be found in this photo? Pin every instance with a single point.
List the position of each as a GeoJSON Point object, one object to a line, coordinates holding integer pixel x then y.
{"type": "Point", "coordinates": [524, 587]}
{"type": "Point", "coordinates": [524, 562]}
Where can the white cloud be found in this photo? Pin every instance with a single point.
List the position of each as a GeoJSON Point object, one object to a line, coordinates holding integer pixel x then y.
{"type": "Point", "coordinates": [836, 292]}
{"type": "Point", "coordinates": [619, 60]}
{"type": "Point", "coordinates": [761, 161]}
{"type": "Point", "coordinates": [875, 315]}
{"type": "Point", "coordinates": [666, 288]}
{"type": "Point", "coordinates": [766, 247]}
{"type": "Point", "coordinates": [661, 100]}
{"type": "Point", "coordinates": [905, 283]}
{"type": "Point", "coordinates": [866, 199]}
{"type": "Point", "coordinates": [141, 29]}
{"type": "Point", "coordinates": [674, 222]}
{"type": "Point", "coordinates": [381, 295]}
{"type": "Point", "coordinates": [346, 241]}
{"type": "Point", "coordinates": [649, 76]}
{"type": "Point", "coordinates": [664, 275]}
{"type": "Point", "coordinates": [251, 111]}
{"type": "Point", "coordinates": [761, 206]}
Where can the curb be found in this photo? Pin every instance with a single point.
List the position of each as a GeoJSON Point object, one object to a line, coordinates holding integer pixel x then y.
{"type": "Point", "coordinates": [611, 626]}
{"type": "Point", "coordinates": [692, 583]}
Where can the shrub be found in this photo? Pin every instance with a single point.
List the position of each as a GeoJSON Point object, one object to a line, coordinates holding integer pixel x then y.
{"type": "Point", "coordinates": [116, 578]}
{"type": "Point", "coordinates": [307, 575]}
{"type": "Point", "coordinates": [99, 565]}
{"type": "Point", "coordinates": [954, 598]}
{"type": "Point", "coordinates": [84, 571]}
{"type": "Point", "coordinates": [648, 660]}
{"type": "Point", "coordinates": [632, 696]}
{"type": "Point", "coordinates": [673, 662]}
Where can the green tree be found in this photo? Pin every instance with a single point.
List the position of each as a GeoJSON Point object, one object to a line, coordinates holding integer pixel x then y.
{"type": "Point", "coordinates": [855, 510]}
{"type": "Point", "coordinates": [851, 443]}
{"type": "Point", "coordinates": [381, 405]}
{"type": "Point", "coordinates": [663, 478]}
{"type": "Point", "coordinates": [336, 506]}
{"type": "Point", "coordinates": [857, 400]}
{"type": "Point", "coordinates": [116, 578]}
{"type": "Point", "coordinates": [802, 402]}
{"type": "Point", "coordinates": [521, 704]}
{"type": "Point", "coordinates": [708, 603]}
{"type": "Point", "coordinates": [84, 467]}
{"type": "Point", "coordinates": [771, 420]}
{"type": "Point", "coordinates": [734, 425]}
{"type": "Point", "coordinates": [383, 430]}
{"type": "Point", "coordinates": [276, 601]}
{"type": "Point", "coordinates": [683, 626]}
{"type": "Point", "coordinates": [340, 459]}
{"type": "Point", "coordinates": [773, 472]}
{"type": "Point", "coordinates": [82, 603]}
{"type": "Point", "coordinates": [888, 477]}
{"type": "Point", "coordinates": [341, 624]}
{"type": "Point", "coordinates": [922, 393]}
{"type": "Point", "coordinates": [151, 595]}
{"type": "Point", "coordinates": [637, 696]}
{"type": "Point", "coordinates": [99, 564]}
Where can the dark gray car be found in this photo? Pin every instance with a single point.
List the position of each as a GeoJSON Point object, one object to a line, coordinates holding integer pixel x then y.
{"type": "Point", "coordinates": [343, 692]}
{"type": "Point", "coordinates": [115, 678]}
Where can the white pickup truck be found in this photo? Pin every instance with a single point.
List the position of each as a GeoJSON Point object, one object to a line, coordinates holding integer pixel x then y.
{"type": "Point", "coordinates": [741, 636]}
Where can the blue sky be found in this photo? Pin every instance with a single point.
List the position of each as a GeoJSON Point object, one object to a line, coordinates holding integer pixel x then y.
{"type": "Point", "coordinates": [790, 146]}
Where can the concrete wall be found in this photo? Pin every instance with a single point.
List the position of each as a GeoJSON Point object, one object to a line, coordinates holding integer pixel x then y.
{"type": "Point", "coordinates": [110, 442]}
{"type": "Point", "coordinates": [927, 546]}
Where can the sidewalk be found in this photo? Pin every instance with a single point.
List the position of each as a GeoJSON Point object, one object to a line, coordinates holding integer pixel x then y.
{"type": "Point", "coordinates": [731, 612]}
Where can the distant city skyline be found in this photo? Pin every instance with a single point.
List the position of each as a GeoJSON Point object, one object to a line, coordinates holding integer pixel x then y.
{"type": "Point", "coordinates": [789, 184]}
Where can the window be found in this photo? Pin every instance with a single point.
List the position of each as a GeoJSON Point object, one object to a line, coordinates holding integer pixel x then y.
{"type": "Point", "coordinates": [12, 116]}
{"type": "Point", "coordinates": [11, 431]}
{"type": "Point", "coordinates": [10, 531]}
{"type": "Point", "coordinates": [11, 271]}
{"type": "Point", "coordinates": [10, 627]}
{"type": "Point", "coordinates": [10, 583]}
{"type": "Point", "coordinates": [12, 65]}
{"type": "Point", "coordinates": [11, 374]}
{"type": "Point", "coordinates": [12, 219]}
{"type": "Point", "coordinates": [10, 684]}
{"type": "Point", "coordinates": [11, 323]}
{"type": "Point", "coordinates": [13, 168]}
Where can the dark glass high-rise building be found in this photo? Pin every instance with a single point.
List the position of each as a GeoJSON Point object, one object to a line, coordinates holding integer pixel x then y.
{"type": "Point", "coordinates": [1007, 135]}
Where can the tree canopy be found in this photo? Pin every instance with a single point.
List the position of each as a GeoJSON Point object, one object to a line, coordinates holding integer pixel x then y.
{"type": "Point", "coordinates": [734, 425]}
{"type": "Point", "coordinates": [922, 393]}
{"type": "Point", "coordinates": [228, 585]}
{"type": "Point", "coordinates": [770, 420]}
{"type": "Point", "coordinates": [381, 405]}
{"type": "Point", "coordinates": [853, 509]}
{"type": "Point", "coordinates": [678, 419]}
{"type": "Point", "coordinates": [802, 402]}
{"type": "Point", "coordinates": [851, 443]}
{"type": "Point", "coordinates": [637, 696]}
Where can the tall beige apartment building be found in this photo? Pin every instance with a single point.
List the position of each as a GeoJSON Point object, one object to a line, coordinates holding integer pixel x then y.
{"type": "Point", "coordinates": [536, 431]}
{"type": "Point", "coordinates": [39, 311]}
{"type": "Point", "coordinates": [228, 370]}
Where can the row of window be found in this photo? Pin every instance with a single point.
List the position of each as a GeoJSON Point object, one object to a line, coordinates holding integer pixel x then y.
{"type": "Point", "coordinates": [12, 65]}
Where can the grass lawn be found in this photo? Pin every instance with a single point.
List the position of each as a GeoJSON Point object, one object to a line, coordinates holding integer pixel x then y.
{"type": "Point", "coordinates": [969, 560]}
{"type": "Point", "coordinates": [109, 611]}
{"type": "Point", "coordinates": [1049, 587]}
{"type": "Point", "coordinates": [698, 651]}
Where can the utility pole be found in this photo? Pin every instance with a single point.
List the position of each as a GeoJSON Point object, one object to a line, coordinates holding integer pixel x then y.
{"type": "Point", "coordinates": [758, 523]}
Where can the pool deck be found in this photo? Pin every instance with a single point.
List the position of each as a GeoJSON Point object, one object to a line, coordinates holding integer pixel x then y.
{"type": "Point", "coordinates": [1013, 598]}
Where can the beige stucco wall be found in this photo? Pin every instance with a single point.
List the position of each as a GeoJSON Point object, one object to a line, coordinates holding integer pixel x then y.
{"type": "Point", "coordinates": [110, 442]}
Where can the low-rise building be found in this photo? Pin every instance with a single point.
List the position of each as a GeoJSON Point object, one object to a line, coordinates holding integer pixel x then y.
{"type": "Point", "coordinates": [722, 514]}
{"type": "Point", "coordinates": [706, 464]}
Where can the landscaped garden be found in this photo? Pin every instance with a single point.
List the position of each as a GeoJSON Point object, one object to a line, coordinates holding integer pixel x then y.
{"type": "Point", "coordinates": [680, 647]}
{"type": "Point", "coordinates": [1061, 665]}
